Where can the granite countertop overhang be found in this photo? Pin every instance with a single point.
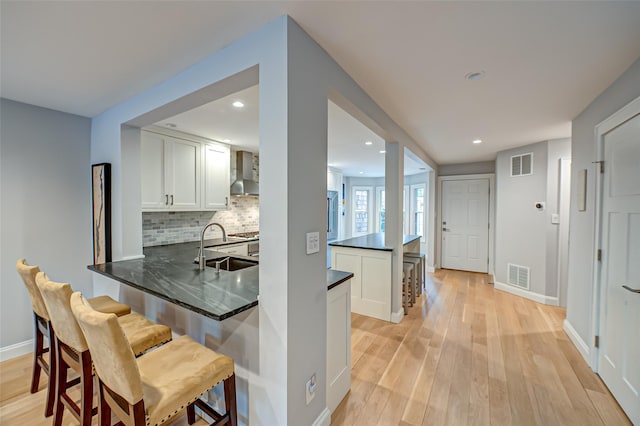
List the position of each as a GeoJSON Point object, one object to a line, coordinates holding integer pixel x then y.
{"type": "Point", "coordinates": [373, 241]}
{"type": "Point", "coordinates": [169, 272]}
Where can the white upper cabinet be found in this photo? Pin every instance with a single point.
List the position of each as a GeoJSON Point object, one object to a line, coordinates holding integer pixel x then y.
{"type": "Point", "coordinates": [181, 174]}
{"type": "Point", "coordinates": [216, 177]}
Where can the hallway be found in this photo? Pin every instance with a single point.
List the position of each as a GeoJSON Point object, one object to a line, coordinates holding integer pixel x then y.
{"type": "Point", "coordinates": [469, 354]}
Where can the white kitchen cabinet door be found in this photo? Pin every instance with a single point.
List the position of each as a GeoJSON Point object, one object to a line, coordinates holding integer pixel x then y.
{"type": "Point", "coordinates": [216, 177]}
{"type": "Point", "coordinates": [153, 183]}
{"type": "Point", "coordinates": [184, 175]}
{"type": "Point", "coordinates": [171, 173]}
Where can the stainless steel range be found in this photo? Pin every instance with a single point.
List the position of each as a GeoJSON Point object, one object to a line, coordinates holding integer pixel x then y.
{"type": "Point", "coordinates": [253, 247]}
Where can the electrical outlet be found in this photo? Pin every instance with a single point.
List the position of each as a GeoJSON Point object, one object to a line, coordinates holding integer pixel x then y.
{"type": "Point", "coordinates": [311, 387]}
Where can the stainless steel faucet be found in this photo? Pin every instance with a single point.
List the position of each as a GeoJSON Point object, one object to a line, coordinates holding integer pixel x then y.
{"type": "Point", "coordinates": [201, 257]}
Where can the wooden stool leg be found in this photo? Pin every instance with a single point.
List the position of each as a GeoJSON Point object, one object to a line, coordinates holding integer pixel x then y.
{"type": "Point", "coordinates": [53, 362]}
{"type": "Point", "coordinates": [104, 411]}
{"type": "Point", "coordinates": [38, 350]}
{"type": "Point", "coordinates": [230, 399]}
{"type": "Point", "coordinates": [405, 294]}
{"type": "Point", "coordinates": [191, 414]}
{"type": "Point", "coordinates": [86, 384]}
{"type": "Point", "coordinates": [61, 378]}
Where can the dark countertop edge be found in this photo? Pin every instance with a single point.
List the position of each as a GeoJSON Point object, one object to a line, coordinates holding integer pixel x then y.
{"type": "Point", "coordinates": [338, 244]}
{"type": "Point", "coordinates": [175, 301]}
{"type": "Point", "coordinates": [341, 277]}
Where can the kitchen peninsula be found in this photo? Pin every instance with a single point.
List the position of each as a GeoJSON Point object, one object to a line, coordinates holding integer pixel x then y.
{"type": "Point", "coordinates": [219, 309]}
{"type": "Point", "coordinates": [369, 259]}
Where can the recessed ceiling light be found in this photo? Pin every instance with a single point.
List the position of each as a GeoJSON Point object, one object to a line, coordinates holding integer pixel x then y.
{"type": "Point", "coordinates": [361, 172]}
{"type": "Point", "coordinates": [477, 141]}
{"type": "Point", "coordinates": [382, 151]}
{"type": "Point", "coordinates": [368, 143]}
{"type": "Point", "coordinates": [172, 125]}
{"type": "Point", "coordinates": [238, 104]}
{"type": "Point", "coordinates": [226, 140]}
{"type": "Point", "coordinates": [475, 75]}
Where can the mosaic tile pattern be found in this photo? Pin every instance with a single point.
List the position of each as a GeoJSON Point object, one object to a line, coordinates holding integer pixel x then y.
{"type": "Point", "coordinates": [160, 228]}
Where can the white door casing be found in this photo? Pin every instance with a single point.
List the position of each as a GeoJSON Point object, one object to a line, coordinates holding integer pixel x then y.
{"type": "Point", "coordinates": [619, 321]}
{"type": "Point", "coordinates": [465, 224]}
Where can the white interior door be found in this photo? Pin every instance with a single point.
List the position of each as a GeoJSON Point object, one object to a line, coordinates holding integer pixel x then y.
{"type": "Point", "coordinates": [465, 224]}
{"type": "Point", "coordinates": [619, 353]}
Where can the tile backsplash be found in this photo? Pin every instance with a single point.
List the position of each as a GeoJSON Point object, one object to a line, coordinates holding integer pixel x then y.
{"type": "Point", "coordinates": [160, 228]}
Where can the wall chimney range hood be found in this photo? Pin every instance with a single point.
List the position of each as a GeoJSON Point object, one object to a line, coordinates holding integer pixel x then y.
{"type": "Point", "coordinates": [244, 183]}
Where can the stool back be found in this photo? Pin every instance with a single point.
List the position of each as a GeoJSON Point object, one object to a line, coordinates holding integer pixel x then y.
{"type": "Point", "coordinates": [111, 352]}
{"type": "Point", "coordinates": [28, 274]}
{"type": "Point", "coordinates": [57, 297]}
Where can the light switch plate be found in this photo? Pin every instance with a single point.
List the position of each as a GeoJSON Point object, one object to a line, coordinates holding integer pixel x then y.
{"type": "Point", "coordinates": [313, 242]}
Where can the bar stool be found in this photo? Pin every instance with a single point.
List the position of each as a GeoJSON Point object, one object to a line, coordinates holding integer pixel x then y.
{"type": "Point", "coordinates": [423, 267]}
{"type": "Point", "coordinates": [417, 263]}
{"type": "Point", "coordinates": [144, 391]}
{"type": "Point", "coordinates": [407, 283]}
{"type": "Point", "coordinates": [44, 329]}
{"type": "Point", "coordinates": [71, 350]}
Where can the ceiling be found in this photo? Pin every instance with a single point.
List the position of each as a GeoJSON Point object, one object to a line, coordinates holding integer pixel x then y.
{"type": "Point", "coordinates": [347, 138]}
{"type": "Point", "coordinates": [544, 62]}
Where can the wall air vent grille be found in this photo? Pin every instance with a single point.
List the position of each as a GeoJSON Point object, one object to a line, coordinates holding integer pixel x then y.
{"type": "Point", "coordinates": [518, 276]}
{"type": "Point", "coordinates": [522, 165]}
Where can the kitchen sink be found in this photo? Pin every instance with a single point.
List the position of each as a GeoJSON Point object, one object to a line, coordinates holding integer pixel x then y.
{"type": "Point", "coordinates": [232, 264]}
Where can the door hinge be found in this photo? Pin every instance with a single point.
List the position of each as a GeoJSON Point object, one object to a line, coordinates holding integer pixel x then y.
{"type": "Point", "coordinates": [599, 255]}
{"type": "Point", "coordinates": [601, 165]}
{"type": "Point", "coordinates": [596, 341]}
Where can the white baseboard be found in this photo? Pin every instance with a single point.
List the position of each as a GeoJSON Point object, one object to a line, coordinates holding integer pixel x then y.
{"type": "Point", "coordinates": [536, 297]}
{"type": "Point", "coordinates": [324, 419]}
{"type": "Point", "coordinates": [431, 269]}
{"type": "Point", "coordinates": [16, 350]}
{"type": "Point", "coordinates": [396, 317]}
{"type": "Point", "coordinates": [577, 341]}
{"type": "Point", "coordinates": [134, 257]}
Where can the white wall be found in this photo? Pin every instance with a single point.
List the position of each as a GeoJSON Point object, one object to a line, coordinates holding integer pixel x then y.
{"type": "Point", "coordinates": [478, 168]}
{"type": "Point", "coordinates": [520, 236]}
{"type": "Point", "coordinates": [581, 236]}
{"type": "Point", "coordinates": [45, 207]}
{"type": "Point", "coordinates": [524, 234]}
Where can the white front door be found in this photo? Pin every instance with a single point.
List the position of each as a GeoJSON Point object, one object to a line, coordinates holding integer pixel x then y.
{"type": "Point", "coordinates": [619, 353]}
{"type": "Point", "coordinates": [465, 224]}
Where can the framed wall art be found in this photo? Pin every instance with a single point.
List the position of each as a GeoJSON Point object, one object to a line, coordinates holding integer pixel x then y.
{"type": "Point", "coordinates": [101, 206]}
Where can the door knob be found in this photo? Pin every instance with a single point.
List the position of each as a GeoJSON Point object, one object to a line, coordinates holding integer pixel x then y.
{"type": "Point", "coordinates": [632, 290]}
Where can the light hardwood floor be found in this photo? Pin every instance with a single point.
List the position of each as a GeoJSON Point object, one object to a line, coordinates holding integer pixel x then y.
{"type": "Point", "coordinates": [470, 355]}
{"type": "Point", "coordinates": [465, 355]}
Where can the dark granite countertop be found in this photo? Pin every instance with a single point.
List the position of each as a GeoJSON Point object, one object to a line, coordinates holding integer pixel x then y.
{"type": "Point", "coordinates": [169, 272]}
{"type": "Point", "coordinates": [372, 242]}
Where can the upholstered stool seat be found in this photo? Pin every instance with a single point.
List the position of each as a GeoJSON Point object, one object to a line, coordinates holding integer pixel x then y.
{"type": "Point", "coordinates": [43, 329]}
{"type": "Point", "coordinates": [72, 351]}
{"type": "Point", "coordinates": [157, 386]}
{"type": "Point", "coordinates": [107, 304]}
{"type": "Point", "coordinates": [194, 369]}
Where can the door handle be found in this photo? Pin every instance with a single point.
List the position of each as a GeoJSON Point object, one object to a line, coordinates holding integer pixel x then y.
{"type": "Point", "coordinates": [632, 290]}
{"type": "Point", "coordinates": [444, 230]}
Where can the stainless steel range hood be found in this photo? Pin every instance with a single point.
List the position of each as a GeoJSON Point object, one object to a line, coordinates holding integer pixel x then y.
{"type": "Point", "coordinates": [244, 184]}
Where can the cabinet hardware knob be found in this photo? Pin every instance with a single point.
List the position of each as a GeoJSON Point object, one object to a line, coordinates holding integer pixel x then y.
{"type": "Point", "coordinates": [166, 199]}
{"type": "Point", "coordinates": [171, 199]}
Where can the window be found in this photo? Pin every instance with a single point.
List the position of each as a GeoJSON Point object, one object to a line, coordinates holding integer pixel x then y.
{"type": "Point", "coordinates": [417, 201]}
{"type": "Point", "coordinates": [380, 210]}
{"type": "Point", "coordinates": [362, 203]}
